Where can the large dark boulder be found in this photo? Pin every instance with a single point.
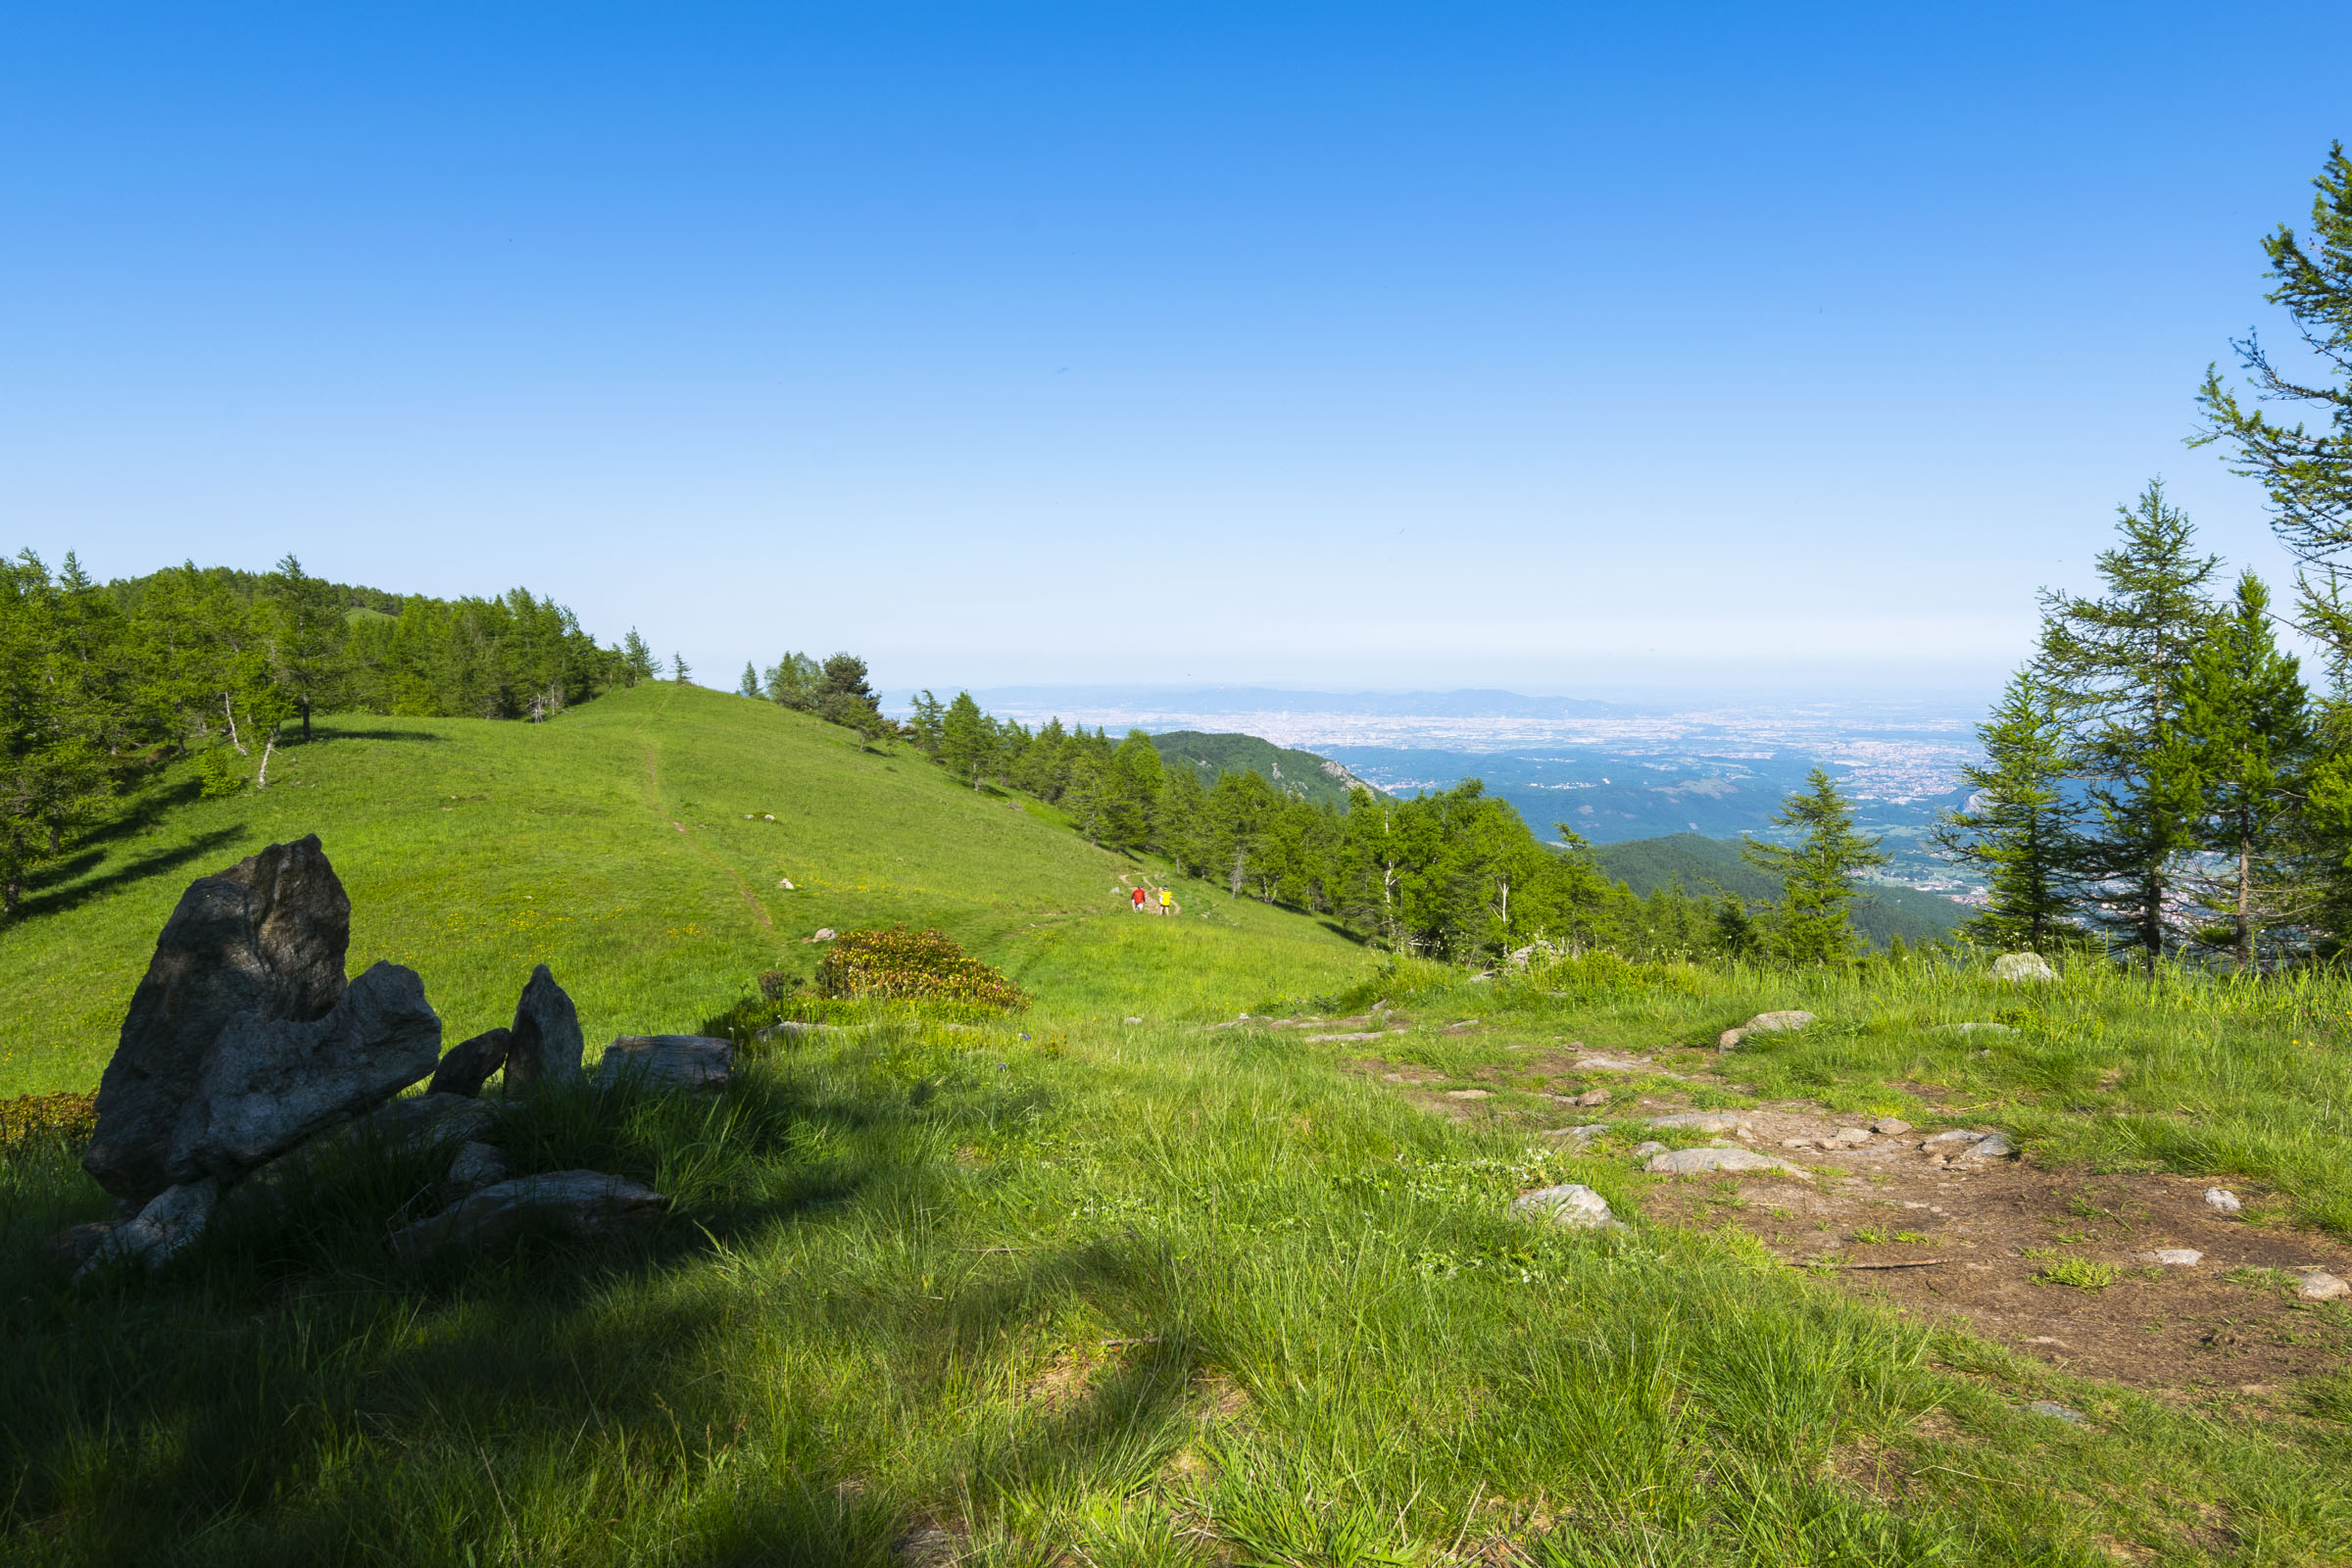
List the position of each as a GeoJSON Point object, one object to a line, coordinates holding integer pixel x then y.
{"type": "Point", "coordinates": [243, 1038]}
{"type": "Point", "coordinates": [544, 1043]}
{"type": "Point", "coordinates": [470, 1064]}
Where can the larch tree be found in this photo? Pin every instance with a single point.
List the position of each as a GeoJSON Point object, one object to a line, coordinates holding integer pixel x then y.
{"type": "Point", "coordinates": [2118, 666]}
{"type": "Point", "coordinates": [1815, 923]}
{"type": "Point", "coordinates": [2019, 829]}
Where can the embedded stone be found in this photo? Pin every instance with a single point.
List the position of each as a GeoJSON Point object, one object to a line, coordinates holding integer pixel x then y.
{"type": "Point", "coordinates": [544, 1043]}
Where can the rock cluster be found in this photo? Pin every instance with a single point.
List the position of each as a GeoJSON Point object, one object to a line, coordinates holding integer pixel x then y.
{"type": "Point", "coordinates": [1763, 1023]}
{"type": "Point", "coordinates": [245, 1053]}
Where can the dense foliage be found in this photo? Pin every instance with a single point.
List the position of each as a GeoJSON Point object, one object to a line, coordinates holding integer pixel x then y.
{"type": "Point", "coordinates": [95, 680]}
{"type": "Point", "coordinates": [896, 964]}
{"type": "Point", "coordinates": [67, 1118]}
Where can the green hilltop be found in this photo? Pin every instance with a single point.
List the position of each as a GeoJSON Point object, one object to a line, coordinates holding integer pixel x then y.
{"type": "Point", "coordinates": [1301, 776]}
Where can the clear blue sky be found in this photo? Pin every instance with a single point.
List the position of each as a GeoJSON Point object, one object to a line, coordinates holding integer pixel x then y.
{"type": "Point", "coordinates": [1546, 347]}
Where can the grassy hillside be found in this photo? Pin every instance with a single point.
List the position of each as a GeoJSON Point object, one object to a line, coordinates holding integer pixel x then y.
{"type": "Point", "coordinates": [1301, 774]}
{"type": "Point", "coordinates": [626, 845]}
{"type": "Point", "coordinates": [1702, 865]}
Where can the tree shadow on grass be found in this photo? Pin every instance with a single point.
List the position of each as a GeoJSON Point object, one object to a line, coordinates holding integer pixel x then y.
{"type": "Point", "coordinates": [287, 1395]}
{"type": "Point", "coordinates": [328, 730]}
{"type": "Point", "coordinates": [61, 891]}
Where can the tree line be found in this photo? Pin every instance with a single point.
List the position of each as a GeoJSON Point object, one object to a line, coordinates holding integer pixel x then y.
{"type": "Point", "coordinates": [2159, 778]}
{"type": "Point", "coordinates": [98, 681]}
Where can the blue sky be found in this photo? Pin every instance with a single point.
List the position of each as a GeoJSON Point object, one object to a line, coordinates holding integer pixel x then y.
{"type": "Point", "coordinates": [1551, 348]}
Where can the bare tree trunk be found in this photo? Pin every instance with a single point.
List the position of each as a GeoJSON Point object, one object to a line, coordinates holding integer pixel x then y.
{"type": "Point", "coordinates": [227, 708]}
{"type": "Point", "coordinates": [2245, 904]}
{"type": "Point", "coordinates": [306, 722]}
{"type": "Point", "coordinates": [268, 745]}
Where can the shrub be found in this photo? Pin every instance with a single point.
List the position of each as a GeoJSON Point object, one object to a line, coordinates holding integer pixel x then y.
{"type": "Point", "coordinates": [28, 1119]}
{"type": "Point", "coordinates": [773, 982]}
{"type": "Point", "coordinates": [904, 966]}
{"type": "Point", "coordinates": [218, 776]}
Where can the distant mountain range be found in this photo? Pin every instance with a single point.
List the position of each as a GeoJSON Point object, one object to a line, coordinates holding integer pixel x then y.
{"type": "Point", "coordinates": [1277, 699]}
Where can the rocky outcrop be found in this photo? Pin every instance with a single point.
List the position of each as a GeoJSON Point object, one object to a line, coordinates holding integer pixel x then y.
{"type": "Point", "coordinates": [470, 1064]}
{"type": "Point", "coordinates": [1571, 1206]}
{"type": "Point", "coordinates": [544, 1043]}
{"type": "Point", "coordinates": [1692, 1161]}
{"type": "Point", "coordinates": [2017, 966]}
{"type": "Point", "coordinates": [1763, 1023]}
{"type": "Point", "coordinates": [585, 1205]}
{"type": "Point", "coordinates": [243, 1038]}
{"type": "Point", "coordinates": [667, 1061]}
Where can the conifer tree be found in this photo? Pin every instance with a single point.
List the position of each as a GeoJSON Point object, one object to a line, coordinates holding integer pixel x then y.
{"type": "Point", "coordinates": [2248, 721]}
{"type": "Point", "coordinates": [748, 686]}
{"type": "Point", "coordinates": [2021, 833]}
{"type": "Point", "coordinates": [307, 636]}
{"type": "Point", "coordinates": [678, 669]}
{"type": "Point", "coordinates": [963, 740]}
{"type": "Point", "coordinates": [1816, 875]}
{"type": "Point", "coordinates": [2119, 666]}
{"type": "Point", "coordinates": [929, 716]}
{"type": "Point", "coordinates": [1132, 798]}
{"type": "Point", "coordinates": [637, 661]}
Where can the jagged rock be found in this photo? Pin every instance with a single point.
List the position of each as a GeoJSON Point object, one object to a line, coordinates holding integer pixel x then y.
{"type": "Point", "coordinates": [582, 1203]}
{"type": "Point", "coordinates": [2017, 966]}
{"type": "Point", "coordinates": [477, 1166]}
{"type": "Point", "coordinates": [265, 938]}
{"type": "Point", "coordinates": [1763, 1023]}
{"type": "Point", "coordinates": [1573, 1206]}
{"type": "Point", "coordinates": [468, 1066]}
{"type": "Point", "coordinates": [1690, 1161]}
{"type": "Point", "coordinates": [669, 1062]}
{"type": "Point", "coordinates": [2221, 1200]}
{"type": "Point", "coordinates": [160, 1232]}
{"type": "Point", "coordinates": [544, 1044]}
{"type": "Point", "coordinates": [270, 1084]}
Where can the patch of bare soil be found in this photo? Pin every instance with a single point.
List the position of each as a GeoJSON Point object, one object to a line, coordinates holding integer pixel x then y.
{"type": "Point", "coordinates": [1981, 1241]}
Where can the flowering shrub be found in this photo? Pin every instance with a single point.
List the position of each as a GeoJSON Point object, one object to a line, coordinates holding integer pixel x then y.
{"type": "Point", "coordinates": [913, 967]}
{"type": "Point", "coordinates": [68, 1118]}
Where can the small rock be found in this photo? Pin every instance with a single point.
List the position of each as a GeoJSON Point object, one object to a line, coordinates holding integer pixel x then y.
{"type": "Point", "coordinates": [583, 1204]}
{"type": "Point", "coordinates": [2054, 1410]}
{"type": "Point", "coordinates": [1606, 1064]}
{"type": "Point", "coordinates": [824, 933]}
{"type": "Point", "coordinates": [1691, 1161]}
{"type": "Point", "coordinates": [2172, 1256]}
{"type": "Point", "coordinates": [1991, 1147]}
{"type": "Point", "coordinates": [2020, 967]}
{"type": "Point", "coordinates": [1466, 1093]}
{"type": "Point", "coordinates": [785, 883]}
{"type": "Point", "coordinates": [1852, 1137]}
{"type": "Point", "coordinates": [477, 1166]}
{"type": "Point", "coordinates": [467, 1066]}
{"type": "Point", "coordinates": [1573, 1206]}
{"type": "Point", "coordinates": [1135, 1021]}
{"type": "Point", "coordinates": [1763, 1023]}
{"type": "Point", "coordinates": [2221, 1200]}
{"type": "Point", "coordinates": [1654, 1146]}
{"type": "Point", "coordinates": [1591, 1129]}
{"type": "Point", "coordinates": [1890, 1126]}
{"type": "Point", "coordinates": [1955, 1135]}
{"type": "Point", "coordinates": [1700, 1121]}
{"type": "Point", "coordinates": [1590, 1097]}
{"type": "Point", "coordinates": [669, 1062]}
{"type": "Point", "coordinates": [161, 1229]}
{"type": "Point", "coordinates": [545, 1043]}
{"type": "Point", "coordinates": [2320, 1286]}
{"type": "Point", "coordinates": [1796, 1143]}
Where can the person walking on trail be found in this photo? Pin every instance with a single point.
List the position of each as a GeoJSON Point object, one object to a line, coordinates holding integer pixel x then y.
{"type": "Point", "coordinates": [1167, 901]}
{"type": "Point", "coordinates": [1138, 899]}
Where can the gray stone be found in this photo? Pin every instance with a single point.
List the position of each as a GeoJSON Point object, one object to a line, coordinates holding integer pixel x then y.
{"type": "Point", "coordinates": [468, 1066]}
{"type": "Point", "coordinates": [1851, 1137]}
{"type": "Point", "coordinates": [1654, 1146]}
{"type": "Point", "coordinates": [1946, 1139]}
{"type": "Point", "coordinates": [669, 1062]}
{"type": "Point", "coordinates": [2056, 1412]}
{"type": "Point", "coordinates": [2221, 1200]}
{"type": "Point", "coordinates": [165, 1228]}
{"type": "Point", "coordinates": [582, 1203]}
{"type": "Point", "coordinates": [544, 1041]}
{"type": "Point", "coordinates": [1764, 1023]}
{"type": "Point", "coordinates": [474, 1167]}
{"type": "Point", "coordinates": [1890, 1126]}
{"type": "Point", "coordinates": [263, 939]}
{"type": "Point", "coordinates": [2019, 967]}
{"type": "Point", "coordinates": [1700, 1121]}
{"type": "Point", "coordinates": [1991, 1147]}
{"type": "Point", "coordinates": [1590, 1097]}
{"type": "Point", "coordinates": [427, 1121]}
{"type": "Point", "coordinates": [2320, 1286]}
{"type": "Point", "coordinates": [1573, 1206]}
{"type": "Point", "coordinates": [2174, 1257]}
{"type": "Point", "coordinates": [270, 1084]}
{"type": "Point", "coordinates": [1691, 1161]}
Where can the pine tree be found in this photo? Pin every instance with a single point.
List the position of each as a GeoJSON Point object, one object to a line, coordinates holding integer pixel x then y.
{"type": "Point", "coordinates": [2248, 721]}
{"type": "Point", "coordinates": [748, 686]}
{"type": "Point", "coordinates": [2118, 666]}
{"type": "Point", "coordinates": [307, 632]}
{"type": "Point", "coordinates": [929, 715]}
{"type": "Point", "coordinates": [792, 682]}
{"type": "Point", "coordinates": [2019, 828]}
{"type": "Point", "coordinates": [1816, 875]}
{"type": "Point", "coordinates": [963, 740]}
{"type": "Point", "coordinates": [637, 661]}
{"type": "Point", "coordinates": [678, 670]}
{"type": "Point", "coordinates": [1132, 796]}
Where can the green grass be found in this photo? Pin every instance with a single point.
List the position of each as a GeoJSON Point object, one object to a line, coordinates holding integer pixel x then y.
{"type": "Point", "coordinates": [612, 845]}
{"type": "Point", "coordinates": [1075, 1289]}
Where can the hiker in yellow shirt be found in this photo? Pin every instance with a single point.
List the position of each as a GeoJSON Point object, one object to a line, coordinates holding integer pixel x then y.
{"type": "Point", "coordinates": [1167, 901]}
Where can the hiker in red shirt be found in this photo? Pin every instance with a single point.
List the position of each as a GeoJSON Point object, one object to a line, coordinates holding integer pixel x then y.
{"type": "Point", "coordinates": [1138, 899]}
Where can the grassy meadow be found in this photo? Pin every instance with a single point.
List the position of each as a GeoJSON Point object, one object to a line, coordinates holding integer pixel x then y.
{"type": "Point", "coordinates": [1064, 1288]}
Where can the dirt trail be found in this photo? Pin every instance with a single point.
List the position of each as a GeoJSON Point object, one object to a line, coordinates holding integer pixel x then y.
{"type": "Point", "coordinates": [1986, 1235]}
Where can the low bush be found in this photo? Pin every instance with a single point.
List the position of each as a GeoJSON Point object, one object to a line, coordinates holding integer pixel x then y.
{"type": "Point", "coordinates": [64, 1118]}
{"type": "Point", "coordinates": [897, 964]}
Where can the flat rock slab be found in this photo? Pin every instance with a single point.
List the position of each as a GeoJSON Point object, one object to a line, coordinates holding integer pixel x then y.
{"type": "Point", "coordinates": [669, 1062]}
{"type": "Point", "coordinates": [1692, 1161]}
{"type": "Point", "coordinates": [1701, 1121]}
{"type": "Point", "coordinates": [1572, 1206]}
{"type": "Point", "coordinates": [585, 1205]}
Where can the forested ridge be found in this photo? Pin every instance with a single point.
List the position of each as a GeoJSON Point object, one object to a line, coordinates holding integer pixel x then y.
{"type": "Point", "coordinates": [100, 683]}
